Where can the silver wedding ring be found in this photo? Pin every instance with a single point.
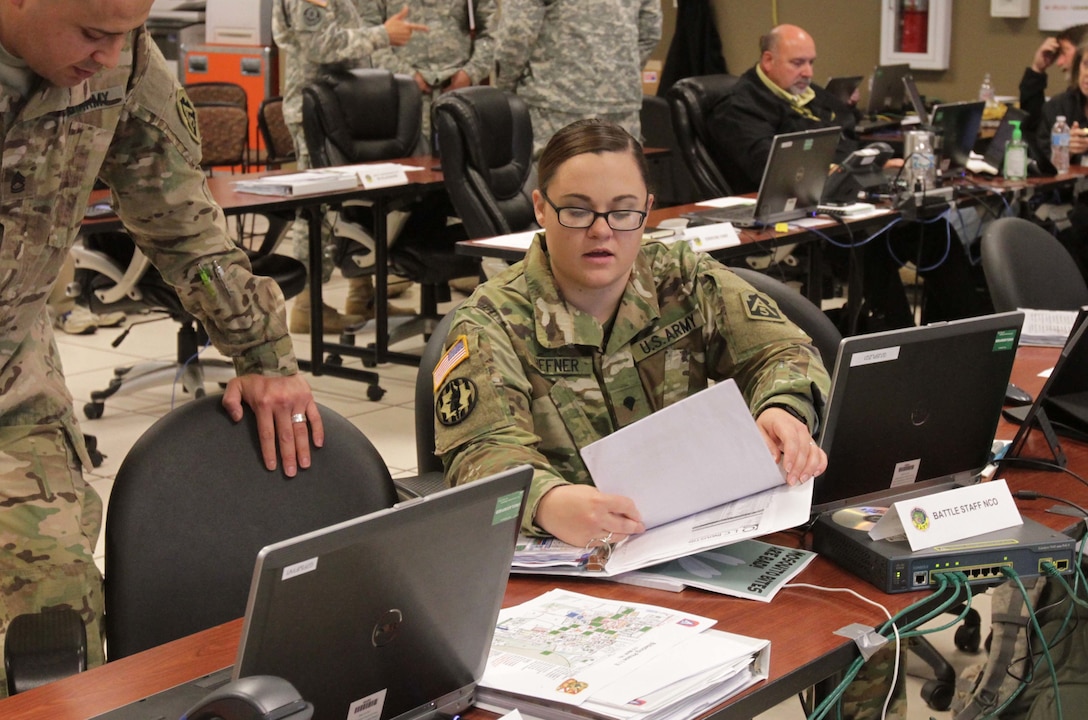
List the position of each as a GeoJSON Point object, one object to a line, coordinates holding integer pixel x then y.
{"type": "Point", "coordinates": [298, 418]}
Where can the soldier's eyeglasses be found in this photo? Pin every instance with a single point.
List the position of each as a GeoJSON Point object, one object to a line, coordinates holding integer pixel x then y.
{"type": "Point", "coordinates": [578, 218]}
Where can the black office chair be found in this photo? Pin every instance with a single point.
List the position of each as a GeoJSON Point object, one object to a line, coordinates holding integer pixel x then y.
{"type": "Point", "coordinates": [114, 275]}
{"type": "Point", "coordinates": [190, 508]}
{"type": "Point", "coordinates": [192, 505]}
{"type": "Point", "coordinates": [669, 173]}
{"type": "Point", "coordinates": [691, 100]}
{"type": "Point", "coordinates": [1027, 267]}
{"type": "Point", "coordinates": [802, 311]}
{"type": "Point", "coordinates": [486, 138]}
{"type": "Point", "coordinates": [370, 115]}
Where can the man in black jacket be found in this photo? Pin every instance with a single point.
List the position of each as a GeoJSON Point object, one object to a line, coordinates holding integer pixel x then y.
{"type": "Point", "coordinates": [776, 96]}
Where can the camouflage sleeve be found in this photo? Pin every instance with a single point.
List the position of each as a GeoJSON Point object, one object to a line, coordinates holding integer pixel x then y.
{"type": "Point", "coordinates": [519, 26]}
{"type": "Point", "coordinates": [163, 199]}
{"type": "Point", "coordinates": [752, 341]}
{"type": "Point", "coordinates": [483, 411]}
{"type": "Point", "coordinates": [374, 13]}
{"type": "Point", "coordinates": [483, 45]}
{"type": "Point", "coordinates": [649, 30]}
{"type": "Point", "coordinates": [324, 38]}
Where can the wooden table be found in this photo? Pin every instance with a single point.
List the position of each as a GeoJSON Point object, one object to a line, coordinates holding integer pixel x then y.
{"type": "Point", "coordinates": [803, 652]}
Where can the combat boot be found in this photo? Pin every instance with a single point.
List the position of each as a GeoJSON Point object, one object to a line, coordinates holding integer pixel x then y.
{"type": "Point", "coordinates": [332, 322]}
{"type": "Point", "coordinates": [361, 299]}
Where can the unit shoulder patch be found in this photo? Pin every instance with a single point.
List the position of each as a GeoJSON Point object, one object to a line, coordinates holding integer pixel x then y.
{"type": "Point", "coordinates": [758, 306]}
{"type": "Point", "coordinates": [456, 401]}
{"type": "Point", "coordinates": [187, 115]}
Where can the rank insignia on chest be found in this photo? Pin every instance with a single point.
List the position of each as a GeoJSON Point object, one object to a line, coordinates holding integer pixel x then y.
{"type": "Point", "coordinates": [455, 401]}
{"type": "Point", "coordinates": [759, 307]}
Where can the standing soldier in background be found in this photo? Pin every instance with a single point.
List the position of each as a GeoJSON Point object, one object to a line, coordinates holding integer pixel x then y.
{"type": "Point", "coordinates": [458, 50]}
{"type": "Point", "coordinates": [571, 59]}
{"type": "Point", "coordinates": [316, 35]}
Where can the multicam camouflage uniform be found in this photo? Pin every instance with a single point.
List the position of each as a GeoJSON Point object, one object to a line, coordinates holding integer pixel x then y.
{"type": "Point", "coordinates": [314, 35]}
{"type": "Point", "coordinates": [449, 45]}
{"type": "Point", "coordinates": [541, 379]}
{"type": "Point", "coordinates": [135, 128]}
{"type": "Point", "coordinates": [573, 59]}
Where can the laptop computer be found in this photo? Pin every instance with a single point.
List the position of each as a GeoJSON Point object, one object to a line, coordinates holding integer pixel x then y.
{"type": "Point", "coordinates": [956, 127]}
{"type": "Point", "coordinates": [915, 98]}
{"type": "Point", "coordinates": [390, 614]}
{"type": "Point", "coordinates": [914, 412]}
{"type": "Point", "coordinates": [885, 97]}
{"type": "Point", "coordinates": [994, 157]}
{"type": "Point", "coordinates": [843, 87]}
{"type": "Point", "coordinates": [793, 181]}
{"type": "Point", "coordinates": [914, 409]}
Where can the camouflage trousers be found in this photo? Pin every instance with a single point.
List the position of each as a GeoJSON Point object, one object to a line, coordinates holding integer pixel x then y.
{"type": "Point", "coordinates": [299, 232]}
{"type": "Point", "coordinates": [50, 520]}
{"type": "Point", "coordinates": [864, 697]}
{"type": "Point", "coordinates": [548, 122]}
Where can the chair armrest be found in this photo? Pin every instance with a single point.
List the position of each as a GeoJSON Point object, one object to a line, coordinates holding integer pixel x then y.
{"type": "Point", "coordinates": [42, 647]}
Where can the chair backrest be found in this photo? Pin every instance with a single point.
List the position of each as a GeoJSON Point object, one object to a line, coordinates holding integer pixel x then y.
{"type": "Point", "coordinates": [426, 460]}
{"type": "Point", "coordinates": [486, 142]}
{"type": "Point", "coordinates": [218, 92]}
{"type": "Point", "coordinates": [1027, 267]}
{"type": "Point", "coordinates": [192, 505]}
{"type": "Point", "coordinates": [669, 175]}
{"type": "Point", "coordinates": [277, 137]}
{"type": "Point", "coordinates": [691, 100]}
{"type": "Point", "coordinates": [355, 116]}
{"type": "Point", "coordinates": [801, 311]}
{"type": "Point", "coordinates": [224, 134]}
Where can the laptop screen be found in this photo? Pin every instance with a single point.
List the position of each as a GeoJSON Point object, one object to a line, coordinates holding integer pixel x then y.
{"type": "Point", "coordinates": [914, 408]}
{"type": "Point", "coordinates": [886, 89]}
{"type": "Point", "coordinates": [389, 615]}
{"type": "Point", "coordinates": [956, 126]}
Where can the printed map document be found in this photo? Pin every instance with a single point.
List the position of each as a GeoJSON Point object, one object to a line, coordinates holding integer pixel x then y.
{"type": "Point", "coordinates": [564, 653]}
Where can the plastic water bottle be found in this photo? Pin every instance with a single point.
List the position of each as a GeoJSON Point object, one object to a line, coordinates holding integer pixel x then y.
{"type": "Point", "coordinates": [986, 91]}
{"type": "Point", "coordinates": [1059, 145]}
{"type": "Point", "coordinates": [923, 162]}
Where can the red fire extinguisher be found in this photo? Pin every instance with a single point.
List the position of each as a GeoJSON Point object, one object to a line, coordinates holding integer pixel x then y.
{"type": "Point", "coordinates": [913, 26]}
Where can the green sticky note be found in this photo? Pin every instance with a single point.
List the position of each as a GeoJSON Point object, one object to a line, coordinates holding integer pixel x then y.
{"type": "Point", "coordinates": [507, 508]}
{"type": "Point", "coordinates": [1004, 340]}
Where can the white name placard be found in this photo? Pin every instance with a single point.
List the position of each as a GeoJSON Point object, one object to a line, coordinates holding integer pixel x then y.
{"type": "Point", "coordinates": [712, 237]}
{"type": "Point", "coordinates": [949, 516]}
{"type": "Point", "coordinates": [382, 176]}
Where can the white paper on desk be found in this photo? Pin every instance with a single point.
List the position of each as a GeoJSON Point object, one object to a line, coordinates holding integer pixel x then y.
{"type": "Point", "coordinates": [729, 201]}
{"type": "Point", "coordinates": [699, 453]}
{"type": "Point", "coordinates": [515, 241]}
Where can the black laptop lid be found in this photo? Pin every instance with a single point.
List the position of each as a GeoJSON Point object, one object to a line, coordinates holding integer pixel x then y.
{"type": "Point", "coordinates": [391, 614]}
{"type": "Point", "coordinates": [886, 89]}
{"type": "Point", "coordinates": [914, 408]}
{"type": "Point", "coordinates": [956, 126]}
{"type": "Point", "coordinates": [795, 174]}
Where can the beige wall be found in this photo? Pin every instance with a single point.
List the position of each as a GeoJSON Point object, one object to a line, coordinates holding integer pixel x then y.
{"type": "Point", "coordinates": [847, 34]}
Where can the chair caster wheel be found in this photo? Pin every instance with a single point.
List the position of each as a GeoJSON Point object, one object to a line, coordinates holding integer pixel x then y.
{"type": "Point", "coordinates": [375, 392]}
{"type": "Point", "coordinates": [968, 638]}
{"type": "Point", "coordinates": [369, 362]}
{"type": "Point", "coordinates": [938, 694]}
{"type": "Point", "coordinates": [334, 360]}
{"type": "Point", "coordinates": [94, 410]}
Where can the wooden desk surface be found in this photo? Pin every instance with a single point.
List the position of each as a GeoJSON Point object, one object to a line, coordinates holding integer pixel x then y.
{"type": "Point", "coordinates": [803, 653]}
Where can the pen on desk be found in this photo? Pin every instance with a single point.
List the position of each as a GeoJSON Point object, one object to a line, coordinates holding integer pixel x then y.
{"type": "Point", "coordinates": [222, 276]}
{"type": "Point", "coordinates": [207, 280]}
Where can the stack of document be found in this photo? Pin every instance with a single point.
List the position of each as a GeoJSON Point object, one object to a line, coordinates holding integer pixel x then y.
{"type": "Point", "coordinates": [565, 655]}
{"type": "Point", "coordinates": [310, 182]}
{"type": "Point", "coordinates": [1048, 328]}
{"type": "Point", "coordinates": [700, 475]}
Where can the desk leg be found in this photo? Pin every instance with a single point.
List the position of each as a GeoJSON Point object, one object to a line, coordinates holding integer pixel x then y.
{"type": "Point", "coordinates": [317, 365]}
{"type": "Point", "coordinates": [381, 279]}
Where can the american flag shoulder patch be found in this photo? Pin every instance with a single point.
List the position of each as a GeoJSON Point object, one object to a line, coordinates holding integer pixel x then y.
{"type": "Point", "coordinates": [455, 355]}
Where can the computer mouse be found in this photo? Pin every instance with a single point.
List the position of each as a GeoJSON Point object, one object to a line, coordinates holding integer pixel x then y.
{"type": "Point", "coordinates": [258, 697]}
{"type": "Point", "coordinates": [1017, 396]}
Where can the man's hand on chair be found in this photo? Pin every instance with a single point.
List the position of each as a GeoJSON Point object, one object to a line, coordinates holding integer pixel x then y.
{"type": "Point", "coordinates": [287, 416]}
